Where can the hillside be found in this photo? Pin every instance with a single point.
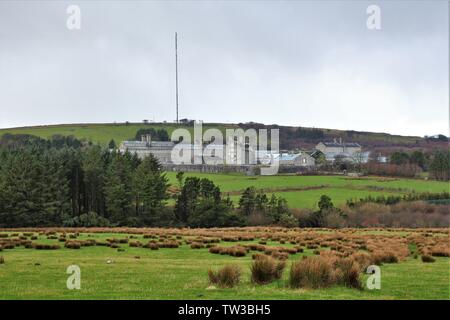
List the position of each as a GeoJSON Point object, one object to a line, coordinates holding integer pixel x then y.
{"type": "Point", "coordinates": [290, 137]}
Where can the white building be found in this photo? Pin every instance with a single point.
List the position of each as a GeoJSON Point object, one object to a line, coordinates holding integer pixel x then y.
{"type": "Point", "coordinates": [343, 151]}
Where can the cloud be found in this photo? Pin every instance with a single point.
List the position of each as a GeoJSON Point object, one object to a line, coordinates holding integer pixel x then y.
{"type": "Point", "coordinates": [293, 63]}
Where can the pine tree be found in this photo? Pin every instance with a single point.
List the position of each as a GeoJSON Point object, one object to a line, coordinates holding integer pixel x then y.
{"type": "Point", "coordinates": [94, 180]}
{"type": "Point", "coordinates": [150, 190]}
{"type": "Point", "coordinates": [118, 193]}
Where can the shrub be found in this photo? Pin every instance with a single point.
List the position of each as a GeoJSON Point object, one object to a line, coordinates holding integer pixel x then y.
{"type": "Point", "coordinates": [41, 246]}
{"type": "Point", "coordinates": [279, 268]}
{"type": "Point", "coordinates": [237, 251]}
{"type": "Point", "coordinates": [362, 258]}
{"type": "Point", "coordinates": [90, 219]}
{"type": "Point", "coordinates": [265, 269]}
{"type": "Point", "coordinates": [152, 246]}
{"type": "Point", "coordinates": [134, 244]}
{"type": "Point", "coordinates": [280, 255]}
{"type": "Point", "coordinates": [311, 272]}
{"type": "Point", "coordinates": [440, 251]}
{"type": "Point", "coordinates": [226, 277]}
{"type": "Point", "coordinates": [347, 273]}
{"type": "Point", "coordinates": [72, 245]}
{"type": "Point", "coordinates": [257, 256]}
{"type": "Point", "coordinates": [427, 258]}
{"type": "Point", "coordinates": [197, 245]}
{"type": "Point", "coordinates": [169, 244]}
{"type": "Point", "coordinates": [215, 250]}
{"type": "Point", "coordinates": [381, 257]}
{"type": "Point", "coordinates": [288, 221]}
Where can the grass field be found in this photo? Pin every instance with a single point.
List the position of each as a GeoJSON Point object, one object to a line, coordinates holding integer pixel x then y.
{"type": "Point", "coordinates": [305, 191]}
{"type": "Point", "coordinates": [99, 133]}
{"type": "Point", "coordinates": [103, 132]}
{"type": "Point", "coordinates": [181, 273]}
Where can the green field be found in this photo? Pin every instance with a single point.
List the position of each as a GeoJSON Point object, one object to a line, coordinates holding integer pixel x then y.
{"type": "Point", "coordinates": [181, 273]}
{"type": "Point", "coordinates": [99, 133]}
{"type": "Point", "coordinates": [304, 191]}
{"type": "Point", "coordinates": [103, 132]}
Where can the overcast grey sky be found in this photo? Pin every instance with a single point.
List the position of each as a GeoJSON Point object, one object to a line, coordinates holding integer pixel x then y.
{"type": "Point", "coordinates": [291, 63]}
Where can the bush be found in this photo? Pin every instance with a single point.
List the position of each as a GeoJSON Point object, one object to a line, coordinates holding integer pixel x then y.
{"type": "Point", "coordinates": [311, 272]}
{"type": "Point", "coordinates": [288, 221]}
{"type": "Point", "coordinates": [169, 244]}
{"type": "Point", "coordinates": [226, 277]}
{"type": "Point", "coordinates": [237, 251]}
{"type": "Point", "coordinates": [42, 246]}
{"type": "Point", "coordinates": [215, 250]}
{"type": "Point", "coordinates": [134, 244]}
{"type": "Point", "coordinates": [265, 269]}
{"type": "Point", "coordinates": [151, 246]}
{"type": "Point", "coordinates": [90, 219]}
{"type": "Point", "coordinates": [347, 273]}
{"type": "Point", "coordinates": [427, 258]}
{"type": "Point", "coordinates": [197, 245]}
{"type": "Point", "coordinates": [72, 245]}
{"type": "Point", "coordinates": [381, 257]}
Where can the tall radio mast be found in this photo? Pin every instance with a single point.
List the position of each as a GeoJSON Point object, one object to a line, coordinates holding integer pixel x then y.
{"type": "Point", "coordinates": [176, 72]}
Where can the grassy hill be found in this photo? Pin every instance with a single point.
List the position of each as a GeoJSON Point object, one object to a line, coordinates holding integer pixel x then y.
{"type": "Point", "coordinates": [290, 138]}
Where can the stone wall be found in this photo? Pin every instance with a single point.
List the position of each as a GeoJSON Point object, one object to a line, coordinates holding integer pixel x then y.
{"type": "Point", "coordinates": [246, 169]}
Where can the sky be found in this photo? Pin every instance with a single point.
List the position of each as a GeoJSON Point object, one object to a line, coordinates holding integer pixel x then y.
{"type": "Point", "coordinates": [299, 63]}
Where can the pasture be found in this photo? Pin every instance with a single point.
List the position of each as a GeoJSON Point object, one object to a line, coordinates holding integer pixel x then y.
{"type": "Point", "coordinates": [100, 133]}
{"type": "Point", "coordinates": [119, 263]}
{"type": "Point", "coordinates": [305, 191]}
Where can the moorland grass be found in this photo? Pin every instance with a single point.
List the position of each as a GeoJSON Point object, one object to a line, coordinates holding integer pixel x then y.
{"type": "Point", "coordinates": [181, 273]}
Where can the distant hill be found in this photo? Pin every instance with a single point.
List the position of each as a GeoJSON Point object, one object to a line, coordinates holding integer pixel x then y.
{"type": "Point", "coordinates": [290, 137]}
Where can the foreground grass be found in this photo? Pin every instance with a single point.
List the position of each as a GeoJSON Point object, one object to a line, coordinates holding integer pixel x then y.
{"type": "Point", "coordinates": [181, 274]}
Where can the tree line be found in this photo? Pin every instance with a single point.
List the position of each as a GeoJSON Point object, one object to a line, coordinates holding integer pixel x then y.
{"type": "Point", "coordinates": [63, 181]}
{"type": "Point", "coordinates": [66, 182]}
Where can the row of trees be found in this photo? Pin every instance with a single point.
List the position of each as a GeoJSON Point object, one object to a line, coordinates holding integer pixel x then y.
{"type": "Point", "coordinates": [437, 163]}
{"type": "Point", "coordinates": [46, 184]}
{"type": "Point", "coordinates": [42, 186]}
{"type": "Point", "coordinates": [440, 166]}
{"type": "Point", "coordinates": [66, 182]}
